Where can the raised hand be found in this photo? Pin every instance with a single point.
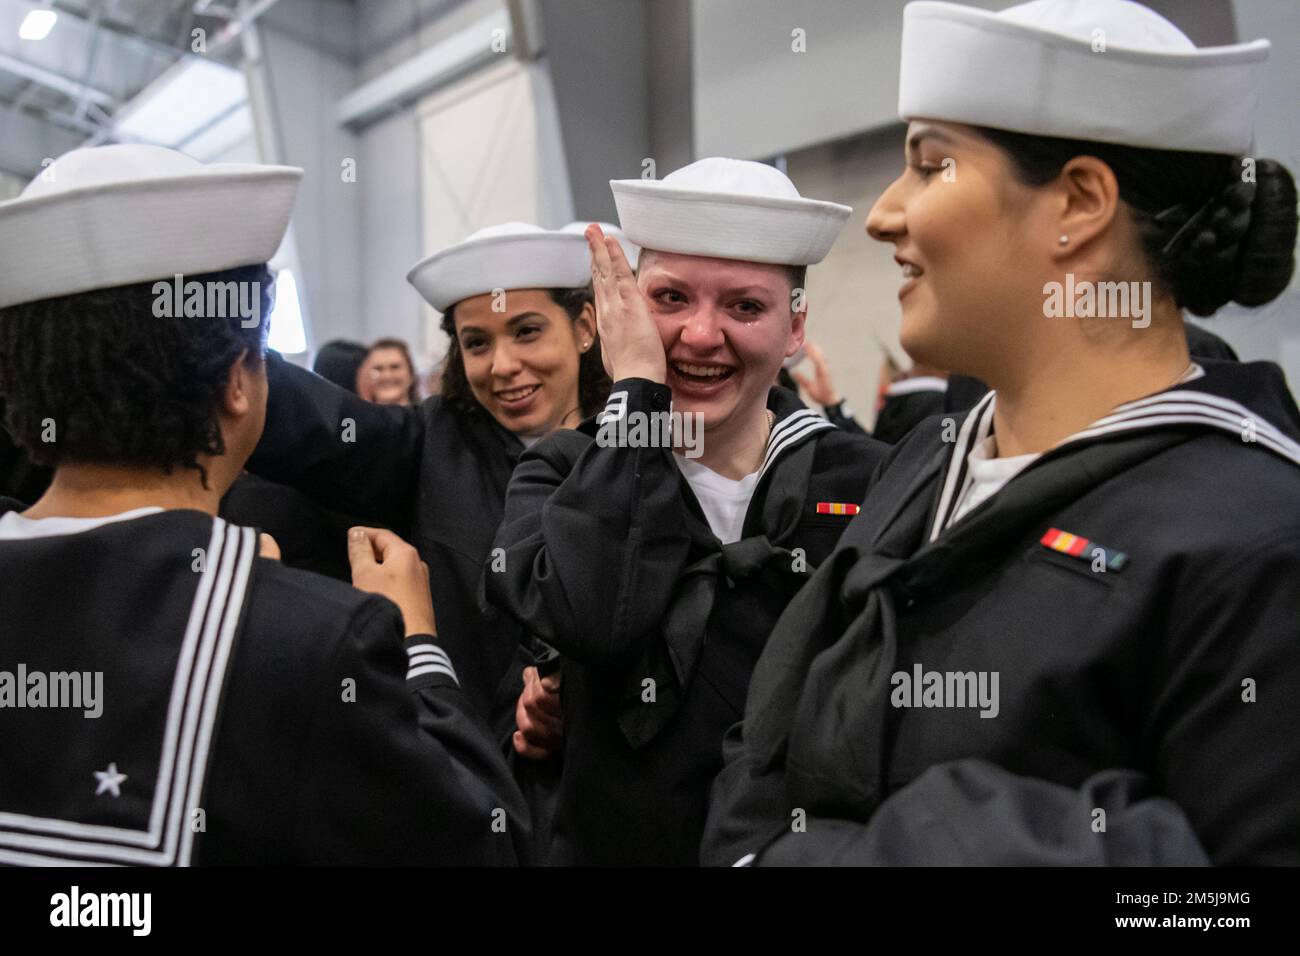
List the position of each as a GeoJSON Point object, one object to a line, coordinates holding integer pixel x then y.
{"type": "Point", "coordinates": [819, 388]}
{"type": "Point", "coordinates": [629, 339]}
{"type": "Point", "coordinates": [382, 563]}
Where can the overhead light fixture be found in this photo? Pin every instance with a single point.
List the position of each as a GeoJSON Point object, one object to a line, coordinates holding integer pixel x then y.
{"type": "Point", "coordinates": [37, 24]}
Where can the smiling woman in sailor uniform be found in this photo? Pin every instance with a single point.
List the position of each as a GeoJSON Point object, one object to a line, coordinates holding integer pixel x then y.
{"type": "Point", "coordinates": [523, 359]}
{"type": "Point", "coordinates": [244, 712]}
{"type": "Point", "coordinates": [1064, 628]}
{"type": "Point", "coordinates": [658, 572]}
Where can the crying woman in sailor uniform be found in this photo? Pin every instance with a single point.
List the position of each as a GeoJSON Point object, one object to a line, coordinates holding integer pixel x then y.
{"type": "Point", "coordinates": [657, 567]}
{"type": "Point", "coordinates": [1063, 630]}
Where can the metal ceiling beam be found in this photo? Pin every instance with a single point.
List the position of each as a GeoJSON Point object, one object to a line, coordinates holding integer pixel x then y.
{"type": "Point", "coordinates": [431, 68]}
{"type": "Point", "coordinates": [83, 102]}
{"type": "Point", "coordinates": [119, 31]}
{"type": "Point", "coordinates": [238, 19]}
{"type": "Point", "coordinates": [526, 29]}
{"type": "Point", "coordinates": [26, 141]}
{"type": "Point", "coordinates": [19, 106]}
{"type": "Point", "coordinates": [56, 81]}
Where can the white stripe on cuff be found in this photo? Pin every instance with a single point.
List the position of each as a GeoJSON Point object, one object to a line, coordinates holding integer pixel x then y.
{"type": "Point", "coordinates": [428, 659]}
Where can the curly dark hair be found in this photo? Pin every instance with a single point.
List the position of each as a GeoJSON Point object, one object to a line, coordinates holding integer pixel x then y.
{"type": "Point", "coordinates": [1210, 235]}
{"type": "Point", "coordinates": [593, 382]}
{"type": "Point", "coordinates": [119, 384]}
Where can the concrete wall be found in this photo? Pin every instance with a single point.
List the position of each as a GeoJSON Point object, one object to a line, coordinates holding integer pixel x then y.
{"type": "Point", "coordinates": [392, 223]}
{"type": "Point", "coordinates": [853, 309]}
{"type": "Point", "coordinates": [756, 97]}
{"type": "Point", "coordinates": [392, 31]}
{"type": "Point", "coordinates": [597, 54]}
{"type": "Point", "coordinates": [391, 228]}
{"type": "Point", "coordinates": [305, 76]}
{"type": "Point", "coordinates": [671, 85]}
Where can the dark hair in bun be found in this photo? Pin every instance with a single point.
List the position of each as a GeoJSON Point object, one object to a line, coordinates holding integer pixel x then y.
{"type": "Point", "coordinates": [1211, 236]}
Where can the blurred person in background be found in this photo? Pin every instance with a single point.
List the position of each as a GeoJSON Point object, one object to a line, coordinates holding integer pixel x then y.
{"type": "Point", "coordinates": [388, 376]}
{"type": "Point", "coordinates": [339, 361]}
{"type": "Point", "coordinates": [906, 397]}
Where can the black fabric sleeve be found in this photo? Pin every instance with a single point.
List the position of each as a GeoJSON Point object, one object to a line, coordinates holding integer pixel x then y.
{"type": "Point", "coordinates": [594, 538]}
{"type": "Point", "coordinates": [396, 771]}
{"type": "Point", "coordinates": [344, 452]}
{"type": "Point", "coordinates": [1223, 726]}
{"type": "Point", "coordinates": [973, 813]}
{"type": "Point", "coordinates": [449, 719]}
{"type": "Point", "coordinates": [747, 811]}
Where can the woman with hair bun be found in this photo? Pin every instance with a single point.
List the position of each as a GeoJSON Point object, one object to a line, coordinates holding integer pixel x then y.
{"type": "Point", "coordinates": [1064, 628]}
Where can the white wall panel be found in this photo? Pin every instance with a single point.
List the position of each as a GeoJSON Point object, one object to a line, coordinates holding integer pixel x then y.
{"type": "Point", "coordinates": [490, 152]}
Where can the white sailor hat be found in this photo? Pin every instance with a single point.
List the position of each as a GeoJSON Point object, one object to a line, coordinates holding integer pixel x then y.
{"type": "Point", "coordinates": [109, 216]}
{"type": "Point", "coordinates": [1108, 71]}
{"type": "Point", "coordinates": [513, 255]}
{"type": "Point", "coordinates": [630, 248]}
{"type": "Point", "coordinates": [728, 209]}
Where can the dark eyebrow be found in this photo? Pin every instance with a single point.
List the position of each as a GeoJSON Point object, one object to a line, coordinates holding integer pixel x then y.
{"type": "Point", "coordinates": [511, 323]}
{"type": "Point", "coordinates": [927, 132]}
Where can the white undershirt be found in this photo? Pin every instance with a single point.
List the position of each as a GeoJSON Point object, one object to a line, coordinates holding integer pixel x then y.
{"type": "Point", "coordinates": [13, 526]}
{"type": "Point", "coordinates": [724, 500]}
{"type": "Point", "coordinates": [989, 473]}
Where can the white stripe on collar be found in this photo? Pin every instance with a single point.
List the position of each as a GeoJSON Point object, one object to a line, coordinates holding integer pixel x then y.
{"type": "Point", "coordinates": [187, 735]}
{"type": "Point", "coordinates": [788, 432]}
{"type": "Point", "coordinates": [1176, 406]}
{"type": "Point", "coordinates": [922, 383]}
{"type": "Point", "coordinates": [976, 427]}
{"type": "Point", "coordinates": [13, 526]}
{"type": "Point", "coordinates": [1186, 406]}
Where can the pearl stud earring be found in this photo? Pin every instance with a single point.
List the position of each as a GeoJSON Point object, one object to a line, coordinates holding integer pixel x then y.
{"type": "Point", "coordinates": [1063, 240]}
